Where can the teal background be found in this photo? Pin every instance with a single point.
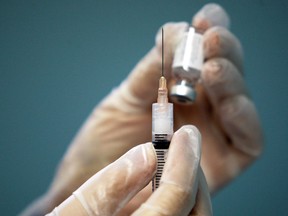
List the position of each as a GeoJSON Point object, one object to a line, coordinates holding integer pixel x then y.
{"type": "Point", "coordinates": [58, 59]}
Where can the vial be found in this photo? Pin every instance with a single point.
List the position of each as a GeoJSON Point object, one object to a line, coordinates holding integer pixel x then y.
{"type": "Point", "coordinates": [186, 67]}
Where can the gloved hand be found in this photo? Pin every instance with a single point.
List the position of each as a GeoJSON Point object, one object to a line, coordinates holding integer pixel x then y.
{"type": "Point", "coordinates": [182, 191]}
{"type": "Point", "coordinates": [223, 112]}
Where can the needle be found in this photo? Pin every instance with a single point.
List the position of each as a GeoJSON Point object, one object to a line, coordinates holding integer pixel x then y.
{"type": "Point", "coordinates": [162, 51]}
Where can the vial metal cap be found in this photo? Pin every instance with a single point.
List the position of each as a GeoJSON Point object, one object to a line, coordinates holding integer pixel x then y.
{"type": "Point", "coordinates": [183, 93]}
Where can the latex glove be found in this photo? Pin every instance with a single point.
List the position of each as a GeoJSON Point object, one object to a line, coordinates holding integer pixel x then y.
{"type": "Point", "coordinates": [182, 188]}
{"type": "Point", "coordinates": [223, 112]}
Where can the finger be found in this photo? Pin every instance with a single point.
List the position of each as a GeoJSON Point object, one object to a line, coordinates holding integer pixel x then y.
{"type": "Point", "coordinates": [179, 183]}
{"type": "Point", "coordinates": [221, 79]}
{"type": "Point", "coordinates": [210, 15]}
{"type": "Point", "coordinates": [240, 121]}
{"type": "Point", "coordinates": [203, 204]}
{"type": "Point", "coordinates": [226, 90]}
{"type": "Point", "coordinates": [213, 20]}
{"type": "Point", "coordinates": [219, 42]}
{"type": "Point", "coordinates": [111, 188]}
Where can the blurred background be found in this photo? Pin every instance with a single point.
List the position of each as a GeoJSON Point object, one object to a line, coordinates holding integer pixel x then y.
{"type": "Point", "coordinates": [58, 59]}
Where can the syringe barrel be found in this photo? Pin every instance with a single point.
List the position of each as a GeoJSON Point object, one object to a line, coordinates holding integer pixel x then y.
{"type": "Point", "coordinates": [162, 131]}
{"type": "Point", "coordinates": [162, 122]}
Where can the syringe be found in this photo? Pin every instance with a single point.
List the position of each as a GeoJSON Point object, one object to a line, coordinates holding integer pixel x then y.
{"type": "Point", "coordinates": [162, 129]}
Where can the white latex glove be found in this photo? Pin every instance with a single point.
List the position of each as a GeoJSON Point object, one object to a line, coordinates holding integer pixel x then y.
{"type": "Point", "coordinates": [223, 112]}
{"type": "Point", "coordinates": [182, 191]}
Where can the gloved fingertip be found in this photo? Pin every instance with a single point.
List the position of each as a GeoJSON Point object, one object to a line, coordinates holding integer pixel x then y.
{"type": "Point", "coordinates": [210, 15]}
{"type": "Point", "coordinates": [150, 157]}
{"type": "Point", "coordinates": [194, 136]}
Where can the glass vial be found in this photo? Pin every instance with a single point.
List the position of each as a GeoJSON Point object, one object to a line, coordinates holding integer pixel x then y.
{"type": "Point", "coordinates": [186, 68]}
